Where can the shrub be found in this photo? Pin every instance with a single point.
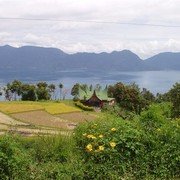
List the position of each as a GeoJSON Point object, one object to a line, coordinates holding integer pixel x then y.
{"type": "Point", "coordinates": [56, 158]}
{"type": "Point", "coordinates": [118, 111]}
{"type": "Point", "coordinates": [53, 157]}
{"type": "Point", "coordinates": [83, 107]}
{"type": "Point", "coordinates": [14, 161]}
{"type": "Point", "coordinates": [114, 149]}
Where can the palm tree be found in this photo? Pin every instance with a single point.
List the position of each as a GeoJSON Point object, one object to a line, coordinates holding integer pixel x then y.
{"type": "Point", "coordinates": [61, 87]}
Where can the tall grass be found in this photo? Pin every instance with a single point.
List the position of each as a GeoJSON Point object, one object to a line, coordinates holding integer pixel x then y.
{"type": "Point", "coordinates": [45, 157]}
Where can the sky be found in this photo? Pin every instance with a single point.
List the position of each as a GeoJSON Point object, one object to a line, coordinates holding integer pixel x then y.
{"type": "Point", "coordinates": [92, 25]}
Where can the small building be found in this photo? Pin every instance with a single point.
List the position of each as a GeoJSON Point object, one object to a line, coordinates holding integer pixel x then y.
{"type": "Point", "coordinates": [95, 98]}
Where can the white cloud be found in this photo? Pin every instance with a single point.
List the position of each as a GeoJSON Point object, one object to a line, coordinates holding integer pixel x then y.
{"type": "Point", "coordinates": [79, 36]}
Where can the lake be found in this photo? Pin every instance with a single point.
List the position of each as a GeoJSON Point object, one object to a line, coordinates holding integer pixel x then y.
{"type": "Point", "coordinates": [155, 81]}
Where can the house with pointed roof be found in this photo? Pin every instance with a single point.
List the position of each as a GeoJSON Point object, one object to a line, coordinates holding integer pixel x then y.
{"type": "Point", "coordinates": [95, 98]}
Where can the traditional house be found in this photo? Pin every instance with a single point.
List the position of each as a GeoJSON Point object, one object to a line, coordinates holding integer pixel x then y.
{"type": "Point", "coordinates": [95, 98]}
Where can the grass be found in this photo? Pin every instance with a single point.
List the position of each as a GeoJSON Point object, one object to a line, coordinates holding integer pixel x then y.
{"type": "Point", "coordinates": [25, 106]}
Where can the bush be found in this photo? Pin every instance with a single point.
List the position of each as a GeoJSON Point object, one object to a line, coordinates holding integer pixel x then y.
{"type": "Point", "coordinates": [118, 111]}
{"type": "Point", "coordinates": [40, 158]}
{"type": "Point", "coordinates": [56, 158]}
{"type": "Point", "coordinates": [114, 149]}
{"type": "Point", "coordinates": [83, 107]}
{"type": "Point", "coordinates": [14, 161]}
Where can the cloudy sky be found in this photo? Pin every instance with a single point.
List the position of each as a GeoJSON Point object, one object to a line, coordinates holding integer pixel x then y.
{"type": "Point", "coordinates": [92, 25]}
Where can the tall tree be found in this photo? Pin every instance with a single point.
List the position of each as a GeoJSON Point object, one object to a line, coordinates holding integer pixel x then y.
{"type": "Point", "coordinates": [75, 90]}
{"type": "Point", "coordinates": [127, 96]}
{"type": "Point", "coordinates": [61, 87]}
{"type": "Point", "coordinates": [16, 88]}
{"type": "Point", "coordinates": [28, 92]}
{"type": "Point", "coordinates": [1, 91]}
{"type": "Point", "coordinates": [42, 91]}
{"type": "Point", "coordinates": [7, 92]}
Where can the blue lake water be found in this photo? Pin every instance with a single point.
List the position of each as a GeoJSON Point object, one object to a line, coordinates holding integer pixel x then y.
{"type": "Point", "coordinates": [155, 81]}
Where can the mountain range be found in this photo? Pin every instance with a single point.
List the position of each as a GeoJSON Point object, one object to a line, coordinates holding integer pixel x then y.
{"type": "Point", "coordinates": [31, 61]}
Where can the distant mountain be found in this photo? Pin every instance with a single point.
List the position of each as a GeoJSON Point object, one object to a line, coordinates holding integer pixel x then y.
{"type": "Point", "coordinates": [163, 61]}
{"type": "Point", "coordinates": [33, 61]}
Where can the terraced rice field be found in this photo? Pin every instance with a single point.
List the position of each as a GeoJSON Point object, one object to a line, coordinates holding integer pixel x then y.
{"type": "Point", "coordinates": [36, 118]}
{"type": "Point", "coordinates": [78, 117]}
{"type": "Point", "coordinates": [42, 118]}
{"type": "Point", "coordinates": [26, 106]}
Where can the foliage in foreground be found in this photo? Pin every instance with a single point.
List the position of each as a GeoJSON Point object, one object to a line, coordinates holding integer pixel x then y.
{"type": "Point", "coordinates": [39, 158]}
{"type": "Point", "coordinates": [145, 148]}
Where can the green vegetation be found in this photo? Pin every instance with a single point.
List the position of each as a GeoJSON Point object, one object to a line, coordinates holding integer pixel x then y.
{"type": "Point", "coordinates": [32, 92]}
{"type": "Point", "coordinates": [174, 96]}
{"type": "Point", "coordinates": [144, 148]}
{"type": "Point", "coordinates": [39, 158]}
{"type": "Point", "coordinates": [83, 107]}
{"type": "Point", "coordinates": [138, 138]}
{"type": "Point", "coordinates": [147, 147]}
{"type": "Point", "coordinates": [130, 97]}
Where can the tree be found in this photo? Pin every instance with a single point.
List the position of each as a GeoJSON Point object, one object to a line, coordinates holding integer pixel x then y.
{"type": "Point", "coordinates": [75, 90]}
{"type": "Point", "coordinates": [127, 96]}
{"type": "Point", "coordinates": [28, 92]}
{"type": "Point", "coordinates": [1, 92]}
{"type": "Point", "coordinates": [15, 87]}
{"type": "Point", "coordinates": [42, 91]}
{"type": "Point", "coordinates": [174, 95]}
{"type": "Point", "coordinates": [148, 96]}
{"type": "Point", "coordinates": [52, 89]}
{"type": "Point", "coordinates": [42, 85]}
{"type": "Point", "coordinates": [7, 92]}
{"type": "Point", "coordinates": [61, 87]}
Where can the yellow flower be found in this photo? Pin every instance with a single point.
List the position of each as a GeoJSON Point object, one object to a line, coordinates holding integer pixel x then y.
{"type": "Point", "coordinates": [100, 136]}
{"type": "Point", "coordinates": [158, 129]}
{"type": "Point", "coordinates": [113, 129]}
{"type": "Point", "coordinates": [112, 144]}
{"type": "Point", "coordinates": [89, 147]}
{"type": "Point", "coordinates": [90, 136]}
{"type": "Point", "coordinates": [101, 148]}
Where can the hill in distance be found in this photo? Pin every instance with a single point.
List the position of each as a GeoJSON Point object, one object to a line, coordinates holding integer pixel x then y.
{"type": "Point", "coordinates": [32, 61]}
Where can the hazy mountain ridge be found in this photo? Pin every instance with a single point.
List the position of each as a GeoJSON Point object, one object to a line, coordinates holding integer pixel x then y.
{"type": "Point", "coordinates": [164, 61]}
{"type": "Point", "coordinates": [38, 60]}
